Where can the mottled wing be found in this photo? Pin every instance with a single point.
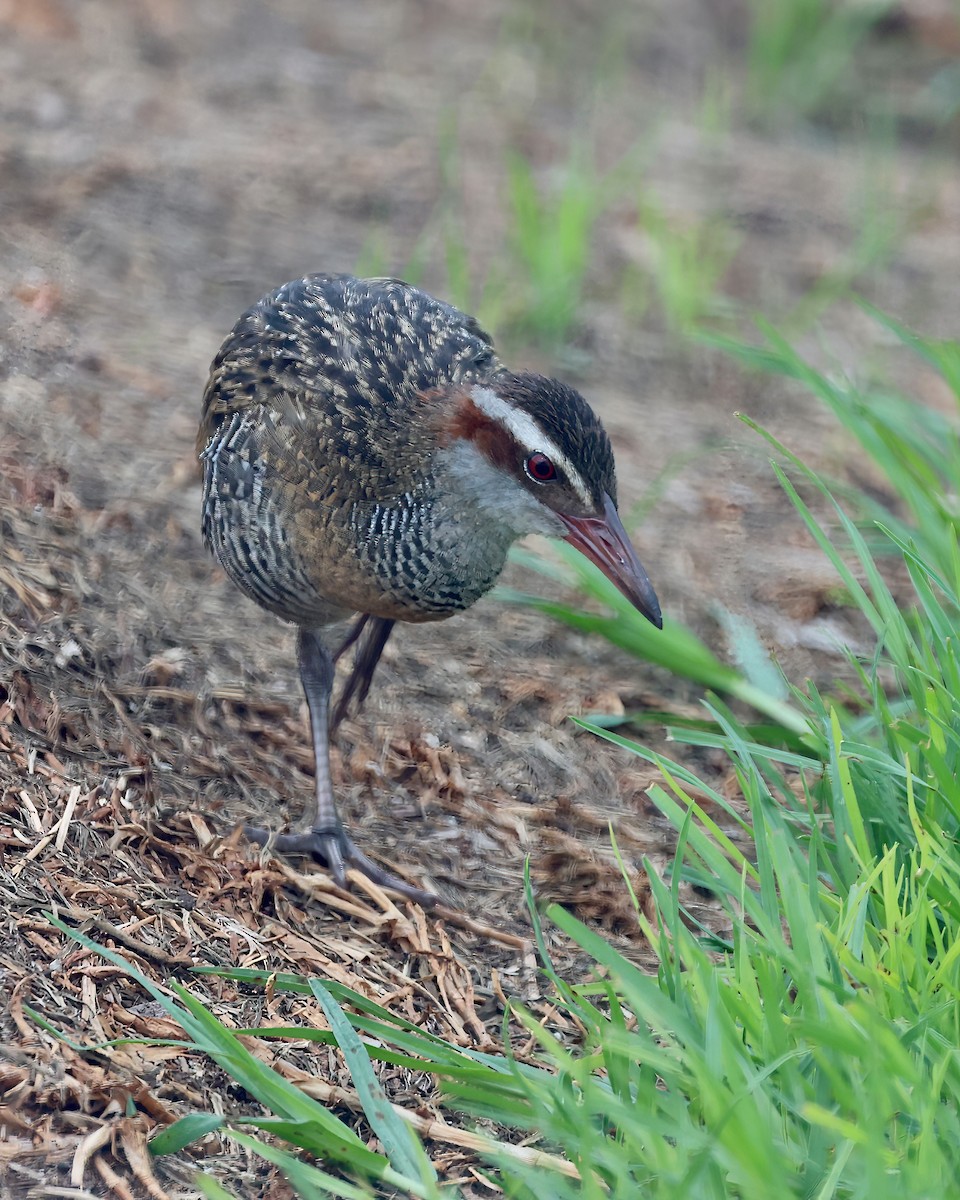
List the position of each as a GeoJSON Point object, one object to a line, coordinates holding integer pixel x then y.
{"type": "Point", "coordinates": [334, 366]}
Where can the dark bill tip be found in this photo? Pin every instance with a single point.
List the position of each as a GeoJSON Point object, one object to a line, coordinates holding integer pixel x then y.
{"type": "Point", "coordinates": [604, 541]}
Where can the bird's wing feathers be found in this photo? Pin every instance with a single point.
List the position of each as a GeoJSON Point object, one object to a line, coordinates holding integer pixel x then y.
{"type": "Point", "coordinates": [334, 367]}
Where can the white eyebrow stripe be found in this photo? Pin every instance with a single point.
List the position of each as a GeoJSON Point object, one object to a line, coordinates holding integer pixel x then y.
{"type": "Point", "coordinates": [529, 434]}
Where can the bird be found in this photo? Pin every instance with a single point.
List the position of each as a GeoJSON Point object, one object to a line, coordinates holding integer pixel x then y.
{"type": "Point", "coordinates": [367, 457]}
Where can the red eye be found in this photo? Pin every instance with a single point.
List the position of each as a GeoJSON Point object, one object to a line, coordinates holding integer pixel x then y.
{"type": "Point", "coordinates": [540, 468]}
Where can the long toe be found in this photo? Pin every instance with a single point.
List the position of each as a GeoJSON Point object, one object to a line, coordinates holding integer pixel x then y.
{"type": "Point", "coordinates": [323, 846]}
{"type": "Point", "coordinates": [337, 850]}
{"type": "Point", "coordinates": [366, 866]}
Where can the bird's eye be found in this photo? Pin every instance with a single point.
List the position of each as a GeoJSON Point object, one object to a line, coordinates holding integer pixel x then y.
{"type": "Point", "coordinates": [540, 468]}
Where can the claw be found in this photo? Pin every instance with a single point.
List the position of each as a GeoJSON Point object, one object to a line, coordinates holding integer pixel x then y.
{"type": "Point", "coordinates": [325, 844]}
{"type": "Point", "coordinates": [337, 850]}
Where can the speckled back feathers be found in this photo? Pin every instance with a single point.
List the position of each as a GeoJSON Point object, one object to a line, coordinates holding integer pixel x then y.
{"type": "Point", "coordinates": [353, 345]}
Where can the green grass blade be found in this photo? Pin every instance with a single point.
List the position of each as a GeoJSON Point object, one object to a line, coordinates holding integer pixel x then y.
{"type": "Point", "coordinates": [181, 1133]}
{"type": "Point", "coordinates": [673, 647]}
{"type": "Point", "coordinates": [403, 1148]}
{"type": "Point", "coordinates": [307, 1181]}
{"type": "Point", "coordinates": [212, 1189]}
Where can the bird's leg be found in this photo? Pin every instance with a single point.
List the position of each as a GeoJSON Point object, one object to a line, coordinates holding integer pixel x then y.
{"type": "Point", "coordinates": [352, 634]}
{"type": "Point", "coordinates": [326, 837]}
{"type": "Point", "coordinates": [364, 663]}
{"type": "Point", "coordinates": [316, 675]}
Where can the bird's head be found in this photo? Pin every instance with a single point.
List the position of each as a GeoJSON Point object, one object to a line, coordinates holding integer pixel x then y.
{"type": "Point", "coordinates": [533, 455]}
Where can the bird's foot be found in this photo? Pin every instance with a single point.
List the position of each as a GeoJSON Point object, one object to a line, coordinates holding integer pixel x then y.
{"type": "Point", "coordinates": [337, 851]}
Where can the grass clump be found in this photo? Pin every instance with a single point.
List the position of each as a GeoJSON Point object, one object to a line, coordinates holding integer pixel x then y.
{"type": "Point", "coordinates": [551, 237]}
{"type": "Point", "coordinates": [531, 292]}
{"type": "Point", "coordinates": [687, 265]}
{"type": "Point", "coordinates": [812, 1051]}
{"type": "Point", "coordinates": [802, 53]}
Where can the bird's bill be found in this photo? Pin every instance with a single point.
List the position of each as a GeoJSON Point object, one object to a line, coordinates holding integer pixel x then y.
{"type": "Point", "coordinates": [605, 542]}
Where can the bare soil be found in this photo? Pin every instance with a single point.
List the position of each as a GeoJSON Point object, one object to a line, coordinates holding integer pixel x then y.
{"type": "Point", "coordinates": [164, 163]}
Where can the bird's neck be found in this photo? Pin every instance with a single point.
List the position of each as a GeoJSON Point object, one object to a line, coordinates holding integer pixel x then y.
{"type": "Point", "coordinates": [435, 549]}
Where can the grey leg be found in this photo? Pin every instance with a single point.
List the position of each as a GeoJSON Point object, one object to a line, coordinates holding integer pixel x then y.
{"type": "Point", "coordinates": [326, 837]}
{"type": "Point", "coordinates": [316, 675]}
{"type": "Point", "coordinates": [364, 665]}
